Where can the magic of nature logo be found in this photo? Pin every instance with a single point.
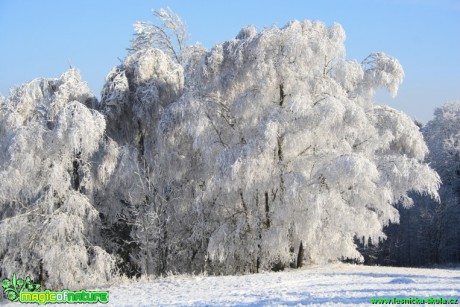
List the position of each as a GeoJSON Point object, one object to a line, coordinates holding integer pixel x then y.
{"type": "Point", "coordinates": [26, 291]}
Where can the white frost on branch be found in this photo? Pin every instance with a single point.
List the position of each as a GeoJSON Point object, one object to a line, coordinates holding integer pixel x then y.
{"type": "Point", "coordinates": [170, 36]}
{"type": "Point", "coordinates": [222, 161]}
{"type": "Point", "coordinates": [49, 140]}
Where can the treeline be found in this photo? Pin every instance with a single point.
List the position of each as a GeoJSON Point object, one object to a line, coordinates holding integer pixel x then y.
{"type": "Point", "coordinates": [428, 232]}
{"type": "Point", "coordinates": [264, 152]}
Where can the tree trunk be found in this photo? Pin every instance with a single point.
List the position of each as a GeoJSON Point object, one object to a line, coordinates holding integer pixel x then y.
{"type": "Point", "coordinates": [300, 256]}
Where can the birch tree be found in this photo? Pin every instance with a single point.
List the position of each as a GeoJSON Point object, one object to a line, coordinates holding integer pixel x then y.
{"type": "Point", "coordinates": [293, 148]}
{"type": "Point", "coordinates": [48, 227]}
{"type": "Point", "coordinates": [265, 151]}
{"type": "Point", "coordinates": [276, 141]}
{"type": "Point", "coordinates": [170, 35]}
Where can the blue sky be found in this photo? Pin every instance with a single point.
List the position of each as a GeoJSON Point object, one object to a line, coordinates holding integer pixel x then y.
{"type": "Point", "coordinates": [42, 38]}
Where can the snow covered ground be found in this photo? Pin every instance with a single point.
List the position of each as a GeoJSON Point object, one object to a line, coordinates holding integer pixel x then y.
{"type": "Point", "coordinates": [337, 284]}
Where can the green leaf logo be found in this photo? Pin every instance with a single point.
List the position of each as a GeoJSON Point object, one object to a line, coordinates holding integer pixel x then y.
{"type": "Point", "coordinates": [13, 288]}
{"type": "Point", "coordinates": [6, 283]}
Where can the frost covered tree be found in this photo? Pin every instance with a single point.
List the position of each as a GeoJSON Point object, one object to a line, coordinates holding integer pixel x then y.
{"type": "Point", "coordinates": [301, 153]}
{"type": "Point", "coordinates": [170, 36]}
{"type": "Point", "coordinates": [269, 142]}
{"type": "Point", "coordinates": [428, 233]}
{"type": "Point", "coordinates": [442, 135]}
{"type": "Point", "coordinates": [49, 167]}
{"type": "Point", "coordinates": [265, 151]}
{"type": "Point", "coordinates": [140, 196]}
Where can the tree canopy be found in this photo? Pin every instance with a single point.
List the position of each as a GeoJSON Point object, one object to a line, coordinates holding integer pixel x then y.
{"type": "Point", "coordinates": [263, 152]}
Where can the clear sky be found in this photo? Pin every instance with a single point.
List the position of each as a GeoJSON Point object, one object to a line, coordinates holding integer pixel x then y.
{"type": "Point", "coordinates": [42, 38]}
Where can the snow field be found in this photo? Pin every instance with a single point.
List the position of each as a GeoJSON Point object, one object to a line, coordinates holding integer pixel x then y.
{"type": "Point", "coordinates": [334, 284]}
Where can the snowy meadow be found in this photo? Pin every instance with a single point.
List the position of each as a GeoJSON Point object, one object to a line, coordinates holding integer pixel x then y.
{"type": "Point", "coordinates": [335, 284]}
